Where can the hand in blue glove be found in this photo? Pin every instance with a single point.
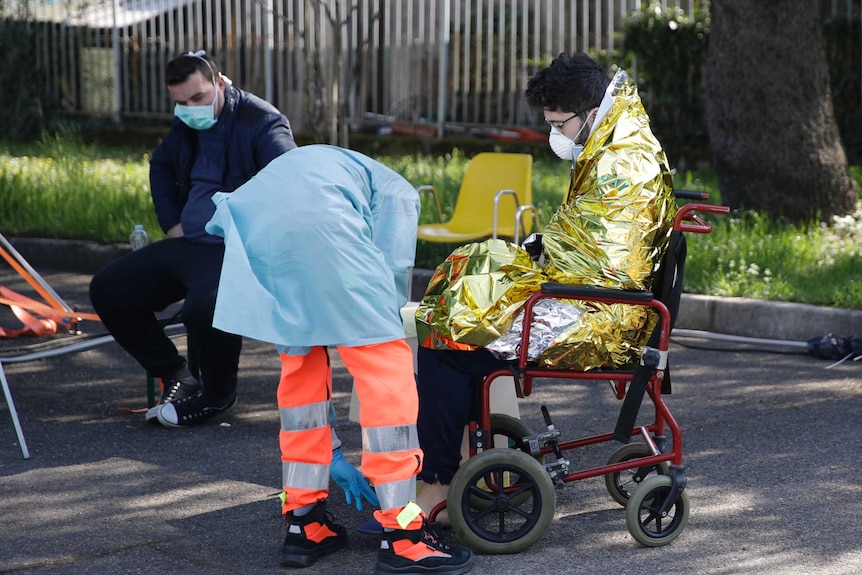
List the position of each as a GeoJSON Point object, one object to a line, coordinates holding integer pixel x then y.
{"type": "Point", "coordinates": [351, 481]}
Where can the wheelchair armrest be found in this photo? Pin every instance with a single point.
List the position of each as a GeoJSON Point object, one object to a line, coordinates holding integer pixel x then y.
{"type": "Point", "coordinates": [588, 292]}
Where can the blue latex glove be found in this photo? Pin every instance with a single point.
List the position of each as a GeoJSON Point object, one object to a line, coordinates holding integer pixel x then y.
{"type": "Point", "coordinates": [351, 481]}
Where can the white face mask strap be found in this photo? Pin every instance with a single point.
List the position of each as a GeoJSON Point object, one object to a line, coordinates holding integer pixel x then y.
{"type": "Point", "coordinates": [200, 56]}
{"type": "Point", "coordinates": [583, 125]}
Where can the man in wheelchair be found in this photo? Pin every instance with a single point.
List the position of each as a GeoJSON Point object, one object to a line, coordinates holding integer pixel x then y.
{"type": "Point", "coordinates": [611, 231]}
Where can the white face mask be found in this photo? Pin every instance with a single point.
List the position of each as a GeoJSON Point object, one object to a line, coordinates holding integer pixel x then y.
{"type": "Point", "coordinates": [563, 146]}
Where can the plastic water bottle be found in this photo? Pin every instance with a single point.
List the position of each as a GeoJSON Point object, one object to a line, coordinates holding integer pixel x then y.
{"type": "Point", "coordinates": [139, 237]}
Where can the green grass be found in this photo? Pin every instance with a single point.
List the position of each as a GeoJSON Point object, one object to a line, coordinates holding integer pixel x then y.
{"type": "Point", "coordinates": [749, 255]}
{"type": "Point", "coordinates": [61, 188]}
{"type": "Point", "coordinates": [752, 257]}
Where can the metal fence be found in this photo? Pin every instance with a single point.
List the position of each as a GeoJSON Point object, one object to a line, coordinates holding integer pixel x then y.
{"type": "Point", "coordinates": [430, 63]}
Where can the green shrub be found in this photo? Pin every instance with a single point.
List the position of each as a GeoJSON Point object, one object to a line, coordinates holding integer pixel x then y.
{"type": "Point", "coordinates": [670, 50]}
{"type": "Point", "coordinates": [22, 78]}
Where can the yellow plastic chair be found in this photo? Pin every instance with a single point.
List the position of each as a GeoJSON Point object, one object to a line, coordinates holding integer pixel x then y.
{"type": "Point", "coordinates": [495, 195]}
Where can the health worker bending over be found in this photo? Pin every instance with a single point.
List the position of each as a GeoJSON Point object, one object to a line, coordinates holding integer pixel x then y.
{"type": "Point", "coordinates": [611, 231]}
{"type": "Point", "coordinates": [319, 247]}
{"type": "Point", "coordinates": [221, 136]}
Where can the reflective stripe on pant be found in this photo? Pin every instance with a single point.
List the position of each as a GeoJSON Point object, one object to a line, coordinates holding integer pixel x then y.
{"type": "Point", "coordinates": [389, 404]}
{"type": "Point", "coordinates": [388, 408]}
{"type": "Point", "coordinates": [304, 393]}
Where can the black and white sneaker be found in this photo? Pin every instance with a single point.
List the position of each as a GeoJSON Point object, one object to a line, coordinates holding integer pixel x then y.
{"type": "Point", "coordinates": [192, 410]}
{"type": "Point", "coordinates": [177, 386]}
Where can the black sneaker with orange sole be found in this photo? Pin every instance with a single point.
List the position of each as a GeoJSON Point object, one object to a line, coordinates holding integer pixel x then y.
{"type": "Point", "coordinates": [311, 536]}
{"type": "Point", "coordinates": [420, 551]}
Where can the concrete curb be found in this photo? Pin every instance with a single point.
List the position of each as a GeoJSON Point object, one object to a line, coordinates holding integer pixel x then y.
{"type": "Point", "coordinates": [79, 256]}
{"type": "Point", "coordinates": [765, 319]}
{"type": "Point", "coordinates": [733, 316]}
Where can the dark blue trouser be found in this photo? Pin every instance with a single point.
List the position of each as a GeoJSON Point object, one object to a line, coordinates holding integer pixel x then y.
{"type": "Point", "coordinates": [127, 292]}
{"type": "Point", "coordinates": [446, 396]}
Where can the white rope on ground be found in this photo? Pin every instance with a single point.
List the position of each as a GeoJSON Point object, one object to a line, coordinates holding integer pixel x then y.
{"type": "Point", "coordinates": [843, 359]}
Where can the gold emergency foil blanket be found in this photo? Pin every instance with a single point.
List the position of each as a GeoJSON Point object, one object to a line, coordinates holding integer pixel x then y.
{"type": "Point", "coordinates": [475, 294]}
{"type": "Point", "coordinates": [607, 335]}
{"type": "Point", "coordinates": [611, 231]}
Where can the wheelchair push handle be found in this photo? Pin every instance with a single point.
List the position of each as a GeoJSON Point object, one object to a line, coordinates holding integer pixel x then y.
{"type": "Point", "coordinates": [687, 220]}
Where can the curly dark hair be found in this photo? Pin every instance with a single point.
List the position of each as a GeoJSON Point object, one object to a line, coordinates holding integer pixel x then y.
{"type": "Point", "coordinates": [570, 84]}
{"type": "Point", "coordinates": [180, 68]}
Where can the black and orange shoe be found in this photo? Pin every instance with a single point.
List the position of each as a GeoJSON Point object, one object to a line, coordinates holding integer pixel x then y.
{"type": "Point", "coordinates": [311, 536]}
{"type": "Point", "coordinates": [420, 551]}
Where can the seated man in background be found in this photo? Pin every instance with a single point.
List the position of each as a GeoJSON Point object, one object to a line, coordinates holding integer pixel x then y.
{"type": "Point", "coordinates": [221, 136]}
{"type": "Point", "coordinates": [611, 231]}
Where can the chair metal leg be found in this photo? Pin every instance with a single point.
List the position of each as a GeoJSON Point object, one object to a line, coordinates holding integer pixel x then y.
{"type": "Point", "coordinates": [151, 390]}
{"type": "Point", "coordinates": [24, 451]}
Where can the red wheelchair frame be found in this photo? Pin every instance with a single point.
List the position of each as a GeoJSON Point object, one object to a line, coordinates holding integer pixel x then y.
{"type": "Point", "coordinates": [502, 500]}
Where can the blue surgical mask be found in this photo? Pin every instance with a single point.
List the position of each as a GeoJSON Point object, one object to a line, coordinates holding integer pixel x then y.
{"type": "Point", "coordinates": [198, 117]}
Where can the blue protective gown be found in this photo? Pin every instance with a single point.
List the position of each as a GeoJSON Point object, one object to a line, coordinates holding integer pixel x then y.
{"type": "Point", "coordinates": [319, 246]}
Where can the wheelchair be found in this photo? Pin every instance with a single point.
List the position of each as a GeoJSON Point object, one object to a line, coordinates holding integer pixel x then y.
{"type": "Point", "coordinates": [502, 499]}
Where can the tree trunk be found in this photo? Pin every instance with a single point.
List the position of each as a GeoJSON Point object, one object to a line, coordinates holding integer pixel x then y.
{"type": "Point", "coordinates": [771, 124]}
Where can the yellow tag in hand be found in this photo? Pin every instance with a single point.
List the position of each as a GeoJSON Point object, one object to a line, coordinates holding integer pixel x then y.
{"type": "Point", "coordinates": [410, 512]}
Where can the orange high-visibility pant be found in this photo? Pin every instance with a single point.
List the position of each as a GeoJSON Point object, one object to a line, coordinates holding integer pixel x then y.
{"type": "Point", "coordinates": [388, 408]}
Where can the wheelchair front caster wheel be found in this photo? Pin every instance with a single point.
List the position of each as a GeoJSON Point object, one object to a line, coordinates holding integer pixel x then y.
{"type": "Point", "coordinates": [643, 519]}
{"type": "Point", "coordinates": [518, 501]}
{"type": "Point", "coordinates": [621, 484]}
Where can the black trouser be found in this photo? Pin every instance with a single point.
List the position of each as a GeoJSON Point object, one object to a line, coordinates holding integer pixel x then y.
{"type": "Point", "coordinates": [127, 292]}
{"type": "Point", "coordinates": [446, 395]}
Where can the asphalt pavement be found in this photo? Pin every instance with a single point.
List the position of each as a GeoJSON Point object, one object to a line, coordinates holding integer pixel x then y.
{"type": "Point", "coordinates": [771, 442]}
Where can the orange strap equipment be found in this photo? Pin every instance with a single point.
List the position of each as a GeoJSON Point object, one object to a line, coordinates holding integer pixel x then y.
{"type": "Point", "coordinates": [56, 313]}
{"type": "Point", "coordinates": [21, 306]}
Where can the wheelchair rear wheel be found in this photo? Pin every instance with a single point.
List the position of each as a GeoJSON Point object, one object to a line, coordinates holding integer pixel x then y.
{"type": "Point", "coordinates": [643, 519]}
{"type": "Point", "coordinates": [516, 511]}
{"type": "Point", "coordinates": [514, 430]}
{"type": "Point", "coordinates": [621, 484]}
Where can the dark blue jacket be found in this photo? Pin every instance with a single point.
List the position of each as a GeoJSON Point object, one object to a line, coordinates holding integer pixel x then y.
{"type": "Point", "coordinates": [256, 133]}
